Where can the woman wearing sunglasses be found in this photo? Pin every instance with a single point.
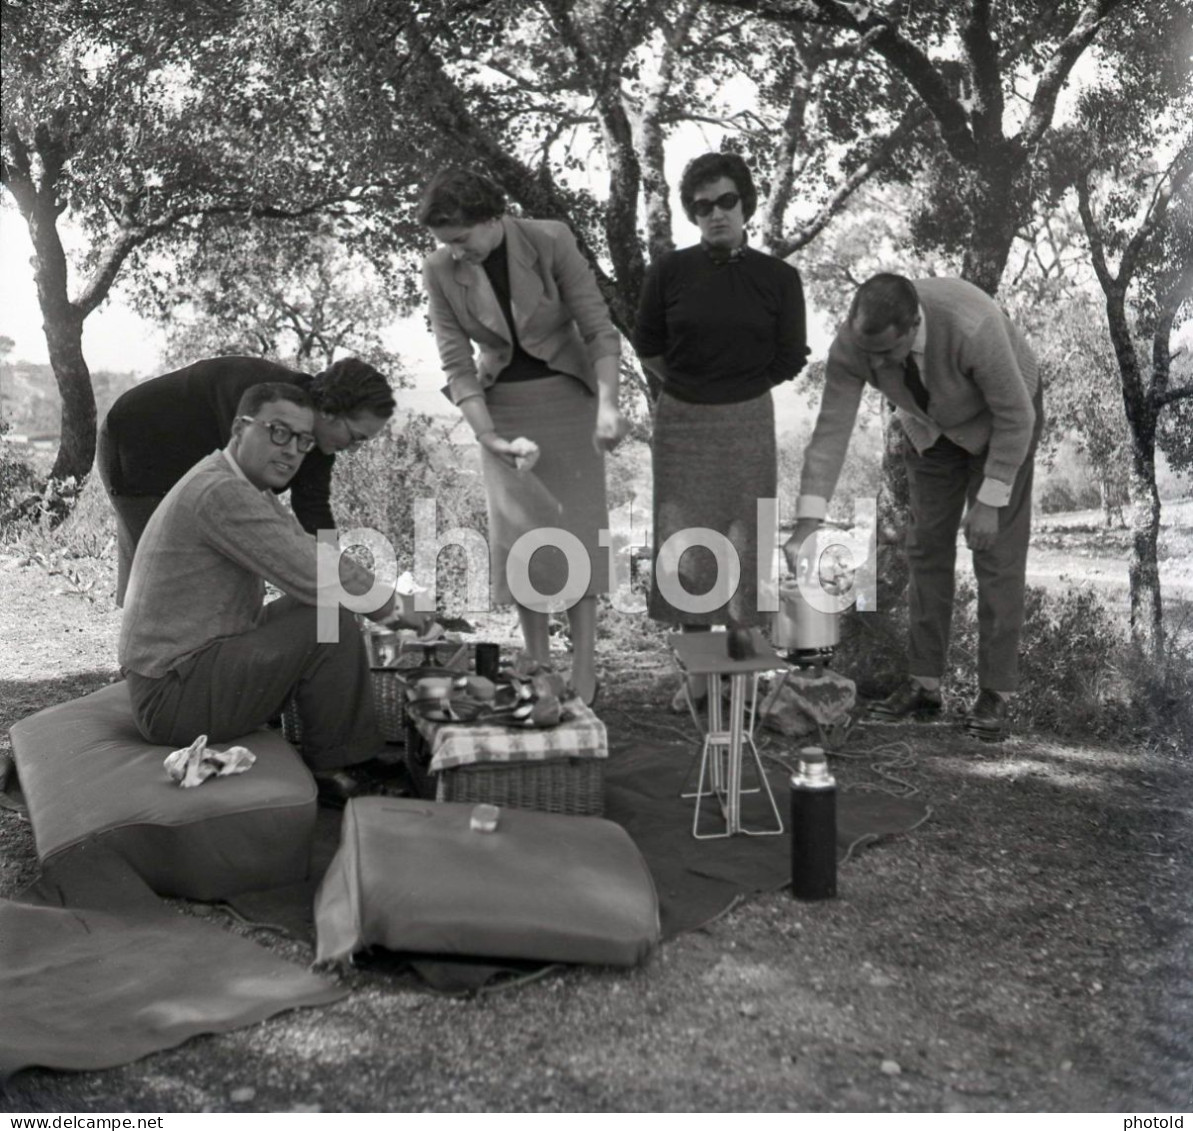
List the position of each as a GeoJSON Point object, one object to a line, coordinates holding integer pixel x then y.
{"type": "Point", "coordinates": [541, 385]}
{"type": "Point", "coordinates": [158, 430]}
{"type": "Point", "coordinates": [719, 324]}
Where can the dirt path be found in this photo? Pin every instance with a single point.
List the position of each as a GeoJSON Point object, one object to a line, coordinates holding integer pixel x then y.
{"type": "Point", "coordinates": [1027, 949]}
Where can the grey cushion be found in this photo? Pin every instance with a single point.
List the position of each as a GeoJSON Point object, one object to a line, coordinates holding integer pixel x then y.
{"type": "Point", "coordinates": [86, 773]}
{"type": "Point", "coordinates": [414, 876]}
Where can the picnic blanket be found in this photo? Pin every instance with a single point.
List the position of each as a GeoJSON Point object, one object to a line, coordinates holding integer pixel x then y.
{"type": "Point", "coordinates": [697, 881]}
{"type": "Point", "coordinates": [96, 971]}
{"type": "Point", "coordinates": [89, 949]}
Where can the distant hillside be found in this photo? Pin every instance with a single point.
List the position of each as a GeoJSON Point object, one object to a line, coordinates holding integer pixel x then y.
{"type": "Point", "coordinates": [29, 398]}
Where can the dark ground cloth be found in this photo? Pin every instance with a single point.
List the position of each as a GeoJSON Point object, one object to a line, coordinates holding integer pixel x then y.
{"type": "Point", "coordinates": [96, 971]}
{"type": "Point", "coordinates": [696, 880]}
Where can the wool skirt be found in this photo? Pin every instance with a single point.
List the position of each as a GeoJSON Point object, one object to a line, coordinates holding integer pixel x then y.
{"type": "Point", "coordinates": [564, 490]}
{"type": "Point", "coordinates": [712, 462]}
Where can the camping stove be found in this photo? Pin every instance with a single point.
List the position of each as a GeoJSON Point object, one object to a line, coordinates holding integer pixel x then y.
{"type": "Point", "coordinates": [808, 635]}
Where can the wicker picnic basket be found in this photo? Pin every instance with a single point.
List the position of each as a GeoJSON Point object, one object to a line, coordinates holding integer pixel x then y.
{"type": "Point", "coordinates": [574, 786]}
{"type": "Point", "coordinates": [569, 785]}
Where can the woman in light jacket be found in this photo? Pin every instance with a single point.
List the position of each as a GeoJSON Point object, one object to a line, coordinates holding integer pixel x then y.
{"type": "Point", "coordinates": [545, 369]}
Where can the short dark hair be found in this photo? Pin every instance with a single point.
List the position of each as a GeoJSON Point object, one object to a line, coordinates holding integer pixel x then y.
{"type": "Point", "coordinates": [351, 385]}
{"type": "Point", "coordinates": [267, 392]}
{"type": "Point", "coordinates": [712, 167]}
{"type": "Point", "coordinates": [885, 300]}
{"type": "Point", "coordinates": [459, 197]}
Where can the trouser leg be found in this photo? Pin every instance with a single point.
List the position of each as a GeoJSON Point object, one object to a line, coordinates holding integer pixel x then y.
{"type": "Point", "coordinates": [1001, 574]}
{"type": "Point", "coordinates": [132, 511]}
{"type": "Point", "coordinates": [235, 685]}
{"type": "Point", "coordinates": [938, 479]}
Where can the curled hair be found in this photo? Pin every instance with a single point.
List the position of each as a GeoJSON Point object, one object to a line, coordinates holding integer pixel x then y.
{"type": "Point", "coordinates": [459, 198]}
{"type": "Point", "coordinates": [884, 300]}
{"type": "Point", "coordinates": [709, 167]}
{"type": "Point", "coordinates": [349, 386]}
{"type": "Point", "coordinates": [267, 392]}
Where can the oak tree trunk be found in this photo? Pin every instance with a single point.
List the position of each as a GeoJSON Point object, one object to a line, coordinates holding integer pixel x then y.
{"type": "Point", "coordinates": [63, 326]}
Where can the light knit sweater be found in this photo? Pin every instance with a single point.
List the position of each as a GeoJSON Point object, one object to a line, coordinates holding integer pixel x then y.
{"type": "Point", "coordinates": [201, 566]}
{"type": "Point", "coordinates": [979, 371]}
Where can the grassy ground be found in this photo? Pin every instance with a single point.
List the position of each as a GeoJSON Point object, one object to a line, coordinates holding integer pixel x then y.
{"type": "Point", "coordinates": [1027, 948]}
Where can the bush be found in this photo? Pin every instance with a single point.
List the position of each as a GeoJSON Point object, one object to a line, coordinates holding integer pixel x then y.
{"type": "Point", "coordinates": [1080, 675]}
{"type": "Point", "coordinates": [377, 487]}
{"type": "Point", "coordinates": [1058, 494]}
{"type": "Point", "coordinates": [79, 553]}
{"type": "Point", "coordinates": [17, 475]}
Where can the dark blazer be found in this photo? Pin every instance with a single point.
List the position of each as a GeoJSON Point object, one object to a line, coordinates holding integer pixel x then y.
{"type": "Point", "coordinates": [159, 429]}
{"type": "Point", "coordinates": [559, 314]}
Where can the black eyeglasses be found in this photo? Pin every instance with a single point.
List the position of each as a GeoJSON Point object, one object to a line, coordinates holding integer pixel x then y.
{"type": "Point", "coordinates": [355, 439]}
{"type": "Point", "coordinates": [282, 434]}
{"type": "Point", "coordinates": [726, 202]}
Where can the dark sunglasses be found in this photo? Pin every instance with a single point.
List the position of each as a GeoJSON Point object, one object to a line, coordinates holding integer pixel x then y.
{"type": "Point", "coordinates": [726, 202]}
{"type": "Point", "coordinates": [282, 434]}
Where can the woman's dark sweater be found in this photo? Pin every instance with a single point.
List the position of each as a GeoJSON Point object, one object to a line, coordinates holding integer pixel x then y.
{"type": "Point", "coordinates": [728, 329]}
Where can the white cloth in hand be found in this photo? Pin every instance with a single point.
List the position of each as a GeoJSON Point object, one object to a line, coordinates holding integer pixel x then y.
{"type": "Point", "coordinates": [525, 452]}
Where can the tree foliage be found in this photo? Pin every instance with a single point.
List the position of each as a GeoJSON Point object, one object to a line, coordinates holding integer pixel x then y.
{"type": "Point", "coordinates": [297, 294]}
{"type": "Point", "coordinates": [989, 76]}
{"type": "Point", "coordinates": [141, 121]}
{"type": "Point", "coordinates": [1131, 172]}
{"type": "Point", "coordinates": [155, 127]}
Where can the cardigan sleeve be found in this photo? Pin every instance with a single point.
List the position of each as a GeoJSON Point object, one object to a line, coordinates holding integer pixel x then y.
{"type": "Point", "coordinates": [254, 530]}
{"type": "Point", "coordinates": [455, 347]}
{"type": "Point", "coordinates": [989, 357]}
{"type": "Point", "coordinates": [825, 453]}
{"type": "Point", "coordinates": [580, 293]}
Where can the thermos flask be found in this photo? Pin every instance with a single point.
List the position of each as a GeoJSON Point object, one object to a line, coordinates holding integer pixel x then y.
{"type": "Point", "coordinates": [813, 827]}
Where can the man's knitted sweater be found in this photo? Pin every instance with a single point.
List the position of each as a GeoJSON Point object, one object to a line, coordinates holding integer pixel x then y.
{"type": "Point", "coordinates": [201, 566]}
{"type": "Point", "coordinates": [980, 374]}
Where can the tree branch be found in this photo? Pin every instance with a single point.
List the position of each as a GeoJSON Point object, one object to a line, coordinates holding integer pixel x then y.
{"type": "Point", "coordinates": [917, 69]}
{"type": "Point", "coordinates": [649, 137]}
{"type": "Point", "coordinates": [1085, 28]}
{"type": "Point", "coordinates": [1093, 235]}
{"type": "Point", "coordinates": [988, 106]}
{"type": "Point", "coordinates": [913, 119]}
{"type": "Point", "coordinates": [1169, 182]}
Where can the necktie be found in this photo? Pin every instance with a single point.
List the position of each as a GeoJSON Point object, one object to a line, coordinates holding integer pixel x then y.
{"type": "Point", "coordinates": [915, 386]}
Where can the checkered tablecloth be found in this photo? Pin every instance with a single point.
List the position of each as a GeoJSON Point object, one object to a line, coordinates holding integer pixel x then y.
{"type": "Point", "coordinates": [580, 735]}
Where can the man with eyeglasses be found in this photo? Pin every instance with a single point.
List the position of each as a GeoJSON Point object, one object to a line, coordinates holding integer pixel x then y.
{"type": "Point", "coordinates": [157, 431]}
{"type": "Point", "coordinates": [967, 392]}
{"type": "Point", "coordinates": [201, 650]}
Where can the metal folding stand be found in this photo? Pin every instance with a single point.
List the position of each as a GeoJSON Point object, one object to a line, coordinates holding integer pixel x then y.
{"type": "Point", "coordinates": [723, 749]}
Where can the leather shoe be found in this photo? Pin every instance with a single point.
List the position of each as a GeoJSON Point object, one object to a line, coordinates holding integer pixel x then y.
{"type": "Point", "coordinates": [337, 787]}
{"type": "Point", "coordinates": [987, 719]}
{"type": "Point", "coordinates": [911, 701]}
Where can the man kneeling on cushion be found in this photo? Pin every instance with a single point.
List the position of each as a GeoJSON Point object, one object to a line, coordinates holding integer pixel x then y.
{"type": "Point", "coordinates": [201, 650]}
